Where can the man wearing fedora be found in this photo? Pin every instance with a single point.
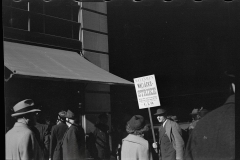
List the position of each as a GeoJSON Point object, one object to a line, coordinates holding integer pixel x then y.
{"type": "Point", "coordinates": [57, 134]}
{"type": "Point", "coordinates": [134, 146]}
{"type": "Point", "coordinates": [21, 143]}
{"type": "Point", "coordinates": [73, 143]}
{"type": "Point", "coordinates": [42, 134]}
{"type": "Point", "coordinates": [171, 143]}
{"type": "Point", "coordinates": [195, 119]}
{"type": "Point", "coordinates": [194, 114]}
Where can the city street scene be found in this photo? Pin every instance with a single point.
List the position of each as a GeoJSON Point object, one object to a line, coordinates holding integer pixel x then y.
{"type": "Point", "coordinates": [120, 79]}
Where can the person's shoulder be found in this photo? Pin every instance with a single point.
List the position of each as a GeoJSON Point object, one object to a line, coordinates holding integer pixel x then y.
{"type": "Point", "coordinates": [215, 117]}
{"type": "Point", "coordinates": [226, 109]}
{"type": "Point", "coordinates": [136, 139]}
{"type": "Point", "coordinates": [27, 132]}
{"type": "Point", "coordinates": [173, 123]}
{"type": "Point", "coordinates": [60, 125]}
{"type": "Point", "coordinates": [55, 127]}
{"type": "Point", "coordinates": [75, 127]}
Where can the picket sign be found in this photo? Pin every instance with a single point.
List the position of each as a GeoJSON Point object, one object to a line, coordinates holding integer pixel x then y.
{"type": "Point", "coordinates": [147, 95]}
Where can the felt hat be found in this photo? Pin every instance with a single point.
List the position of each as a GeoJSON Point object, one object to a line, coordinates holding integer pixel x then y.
{"type": "Point", "coordinates": [203, 112]}
{"type": "Point", "coordinates": [137, 122]}
{"type": "Point", "coordinates": [62, 114]}
{"type": "Point", "coordinates": [194, 111]}
{"type": "Point", "coordinates": [24, 107]}
{"type": "Point", "coordinates": [160, 111]}
{"type": "Point", "coordinates": [70, 114]}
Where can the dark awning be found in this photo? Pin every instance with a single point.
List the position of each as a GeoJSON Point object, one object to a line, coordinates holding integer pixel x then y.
{"type": "Point", "coordinates": [35, 61]}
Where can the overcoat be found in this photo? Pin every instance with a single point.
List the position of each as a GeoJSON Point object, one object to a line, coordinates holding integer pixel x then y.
{"type": "Point", "coordinates": [42, 134]}
{"type": "Point", "coordinates": [102, 141]}
{"type": "Point", "coordinates": [21, 144]}
{"type": "Point", "coordinates": [174, 134]}
{"type": "Point", "coordinates": [56, 137]}
{"type": "Point", "coordinates": [214, 136]}
{"type": "Point", "coordinates": [73, 146]}
{"type": "Point", "coordinates": [135, 148]}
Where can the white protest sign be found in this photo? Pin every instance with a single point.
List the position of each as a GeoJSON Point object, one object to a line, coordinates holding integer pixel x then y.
{"type": "Point", "coordinates": [147, 93]}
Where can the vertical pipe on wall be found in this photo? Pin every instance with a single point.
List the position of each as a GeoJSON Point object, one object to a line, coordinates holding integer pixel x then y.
{"type": "Point", "coordinates": [80, 20]}
{"type": "Point", "coordinates": [28, 3]}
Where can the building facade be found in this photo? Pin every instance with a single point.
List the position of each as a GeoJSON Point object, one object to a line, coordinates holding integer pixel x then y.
{"type": "Point", "coordinates": [64, 26]}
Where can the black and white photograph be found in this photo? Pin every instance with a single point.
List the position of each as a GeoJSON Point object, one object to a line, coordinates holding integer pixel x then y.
{"type": "Point", "coordinates": [120, 79]}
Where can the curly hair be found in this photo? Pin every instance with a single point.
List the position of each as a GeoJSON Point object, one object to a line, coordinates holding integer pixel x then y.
{"type": "Point", "coordinates": [137, 132]}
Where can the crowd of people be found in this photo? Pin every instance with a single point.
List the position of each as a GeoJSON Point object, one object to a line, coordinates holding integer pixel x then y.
{"type": "Point", "coordinates": [211, 136]}
{"type": "Point", "coordinates": [66, 140]}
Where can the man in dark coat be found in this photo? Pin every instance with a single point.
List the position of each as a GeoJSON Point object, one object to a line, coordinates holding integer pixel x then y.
{"type": "Point", "coordinates": [42, 135]}
{"type": "Point", "coordinates": [101, 134]}
{"type": "Point", "coordinates": [73, 145]}
{"type": "Point", "coordinates": [171, 143]}
{"type": "Point", "coordinates": [214, 136]}
{"type": "Point", "coordinates": [57, 134]}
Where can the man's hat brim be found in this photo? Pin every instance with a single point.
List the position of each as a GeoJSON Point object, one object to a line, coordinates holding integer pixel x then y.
{"type": "Point", "coordinates": [193, 113]}
{"type": "Point", "coordinates": [22, 113]}
{"type": "Point", "coordinates": [160, 112]}
{"type": "Point", "coordinates": [157, 114]}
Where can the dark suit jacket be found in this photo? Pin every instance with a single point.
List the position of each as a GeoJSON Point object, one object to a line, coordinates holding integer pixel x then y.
{"type": "Point", "coordinates": [214, 136]}
{"type": "Point", "coordinates": [174, 134]}
{"type": "Point", "coordinates": [42, 135]}
{"type": "Point", "coordinates": [74, 143]}
{"type": "Point", "coordinates": [56, 137]}
{"type": "Point", "coordinates": [102, 140]}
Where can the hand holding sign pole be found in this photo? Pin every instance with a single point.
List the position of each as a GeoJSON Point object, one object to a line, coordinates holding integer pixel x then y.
{"type": "Point", "coordinates": [147, 95]}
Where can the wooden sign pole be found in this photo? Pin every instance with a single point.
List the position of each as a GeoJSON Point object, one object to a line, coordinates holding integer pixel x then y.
{"type": "Point", "coordinates": [150, 116]}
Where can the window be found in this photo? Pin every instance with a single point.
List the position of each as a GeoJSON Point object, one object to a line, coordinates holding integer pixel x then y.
{"type": "Point", "coordinates": [58, 17]}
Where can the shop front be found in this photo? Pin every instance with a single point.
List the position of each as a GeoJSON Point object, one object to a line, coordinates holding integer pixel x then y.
{"type": "Point", "coordinates": [55, 79]}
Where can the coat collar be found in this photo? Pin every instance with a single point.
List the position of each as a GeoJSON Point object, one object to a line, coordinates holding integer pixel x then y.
{"type": "Point", "coordinates": [168, 127]}
{"type": "Point", "coordinates": [136, 139]}
{"type": "Point", "coordinates": [19, 124]}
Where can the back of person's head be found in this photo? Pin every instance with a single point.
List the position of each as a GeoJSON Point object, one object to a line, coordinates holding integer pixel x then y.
{"type": "Point", "coordinates": [103, 118]}
{"type": "Point", "coordinates": [72, 115]}
{"type": "Point", "coordinates": [62, 116]}
{"type": "Point", "coordinates": [47, 120]}
{"type": "Point", "coordinates": [137, 125]}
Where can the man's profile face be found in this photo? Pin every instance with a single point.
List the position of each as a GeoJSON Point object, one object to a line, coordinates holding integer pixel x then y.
{"type": "Point", "coordinates": [161, 118]}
